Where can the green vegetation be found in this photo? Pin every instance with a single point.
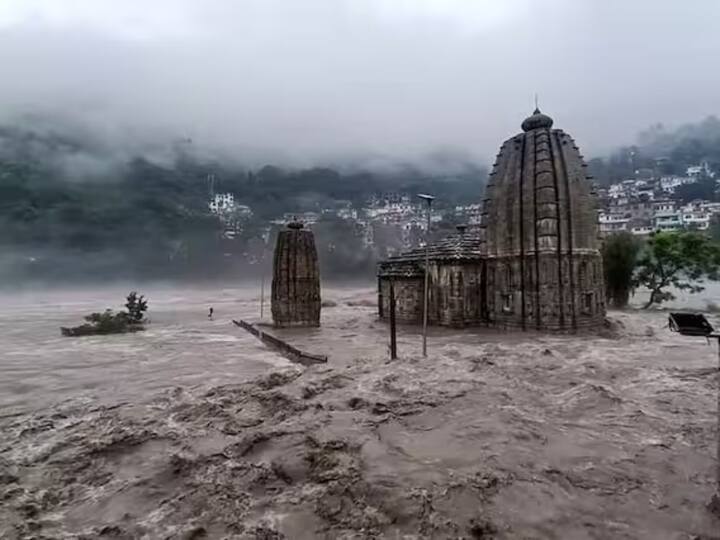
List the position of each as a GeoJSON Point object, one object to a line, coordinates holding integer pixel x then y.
{"type": "Point", "coordinates": [72, 209]}
{"type": "Point", "coordinates": [136, 307]}
{"type": "Point", "coordinates": [137, 218]}
{"type": "Point", "coordinates": [619, 253]}
{"type": "Point", "coordinates": [665, 152]}
{"type": "Point", "coordinates": [678, 259]}
{"type": "Point", "coordinates": [109, 322]}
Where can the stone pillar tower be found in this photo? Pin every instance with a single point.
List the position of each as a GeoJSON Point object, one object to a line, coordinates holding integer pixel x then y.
{"type": "Point", "coordinates": [296, 279]}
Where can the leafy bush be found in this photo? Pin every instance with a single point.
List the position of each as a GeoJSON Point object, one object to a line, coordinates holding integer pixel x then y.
{"type": "Point", "coordinates": [109, 322]}
{"type": "Point", "coordinates": [136, 307]}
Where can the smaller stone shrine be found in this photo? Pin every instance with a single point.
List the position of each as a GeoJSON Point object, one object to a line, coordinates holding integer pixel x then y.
{"type": "Point", "coordinates": [296, 279]}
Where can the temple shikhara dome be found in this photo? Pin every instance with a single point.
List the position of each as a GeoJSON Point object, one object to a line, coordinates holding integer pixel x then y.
{"type": "Point", "coordinates": [534, 260]}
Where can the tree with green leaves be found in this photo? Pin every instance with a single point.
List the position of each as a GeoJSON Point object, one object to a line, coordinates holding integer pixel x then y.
{"type": "Point", "coordinates": [110, 322]}
{"type": "Point", "coordinates": [136, 307]}
{"type": "Point", "coordinates": [681, 259]}
{"type": "Point", "coordinates": [619, 252]}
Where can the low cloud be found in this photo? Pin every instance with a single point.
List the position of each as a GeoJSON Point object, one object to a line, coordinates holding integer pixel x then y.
{"type": "Point", "coordinates": [334, 80]}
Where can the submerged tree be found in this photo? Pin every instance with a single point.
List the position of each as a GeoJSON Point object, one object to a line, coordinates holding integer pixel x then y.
{"type": "Point", "coordinates": [619, 254]}
{"type": "Point", "coordinates": [676, 259]}
{"type": "Point", "coordinates": [109, 322]}
{"type": "Point", "coordinates": [136, 307]}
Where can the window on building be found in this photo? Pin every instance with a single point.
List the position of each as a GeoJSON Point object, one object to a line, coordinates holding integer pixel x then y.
{"type": "Point", "coordinates": [507, 303]}
{"type": "Point", "coordinates": [588, 303]}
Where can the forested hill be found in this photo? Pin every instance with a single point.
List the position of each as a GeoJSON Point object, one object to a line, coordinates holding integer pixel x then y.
{"type": "Point", "coordinates": [75, 208]}
{"type": "Point", "coordinates": [662, 151]}
{"type": "Point", "coordinates": [71, 208]}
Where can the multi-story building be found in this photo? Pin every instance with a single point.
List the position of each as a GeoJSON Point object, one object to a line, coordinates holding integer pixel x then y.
{"type": "Point", "coordinates": [347, 213]}
{"type": "Point", "coordinates": [231, 214]}
{"type": "Point", "coordinates": [222, 202]}
{"type": "Point", "coordinates": [307, 218]}
{"type": "Point", "coordinates": [641, 230]}
{"type": "Point", "coordinates": [695, 217]}
{"type": "Point", "coordinates": [667, 221]}
{"type": "Point", "coordinates": [669, 184]}
{"type": "Point", "coordinates": [613, 223]}
{"type": "Point", "coordinates": [470, 213]}
{"type": "Point", "coordinates": [711, 208]}
{"type": "Point", "coordinates": [700, 170]}
{"type": "Point", "coordinates": [663, 205]}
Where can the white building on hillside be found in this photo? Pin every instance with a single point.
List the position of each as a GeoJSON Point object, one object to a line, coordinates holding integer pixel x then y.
{"type": "Point", "coordinates": [613, 223]}
{"type": "Point", "coordinates": [710, 207]}
{"type": "Point", "coordinates": [695, 217]}
{"type": "Point", "coordinates": [667, 221]}
{"type": "Point", "coordinates": [642, 230]}
{"type": "Point", "coordinates": [222, 202]}
{"type": "Point", "coordinates": [669, 183]}
{"type": "Point", "coordinates": [700, 170]}
{"type": "Point", "coordinates": [663, 206]}
{"type": "Point", "coordinates": [471, 213]}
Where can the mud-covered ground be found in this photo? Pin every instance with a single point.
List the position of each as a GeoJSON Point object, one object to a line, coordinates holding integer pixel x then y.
{"type": "Point", "coordinates": [494, 435]}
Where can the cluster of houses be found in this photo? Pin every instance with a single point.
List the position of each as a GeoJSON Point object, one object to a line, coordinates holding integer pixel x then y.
{"type": "Point", "coordinates": [642, 206]}
{"type": "Point", "coordinates": [232, 214]}
{"type": "Point", "coordinates": [393, 214]}
{"type": "Point", "coordinates": [638, 206]}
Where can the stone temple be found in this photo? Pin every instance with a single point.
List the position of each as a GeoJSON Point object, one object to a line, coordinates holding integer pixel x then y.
{"type": "Point", "coordinates": [533, 262]}
{"type": "Point", "coordinates": [296, 279]}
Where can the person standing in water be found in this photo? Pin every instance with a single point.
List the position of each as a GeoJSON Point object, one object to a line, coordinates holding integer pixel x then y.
{"type": "Point", "coordinates": [210, 313]}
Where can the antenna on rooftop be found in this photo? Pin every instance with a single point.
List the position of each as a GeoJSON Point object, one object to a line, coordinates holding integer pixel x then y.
{"type": "Point", "coordinates": [537, 108]}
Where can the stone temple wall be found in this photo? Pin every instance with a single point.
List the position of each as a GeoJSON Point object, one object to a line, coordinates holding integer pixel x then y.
{"type": "Point", "coordinates": [535, 264]}
{"type": "Point", "coordinates": [540, 236]}
{"type": "Point", "coordinates": [408, 299]}
{"type": "Point", "coordinates": [555, 294]}
{"type": "Point", "coordinates": [455, 296]}
{"type": "Point", "coordinates": [296, 279]}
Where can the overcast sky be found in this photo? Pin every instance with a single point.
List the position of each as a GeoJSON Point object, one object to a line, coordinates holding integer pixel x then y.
{"type": "Point", "coordinates": [320, 80]}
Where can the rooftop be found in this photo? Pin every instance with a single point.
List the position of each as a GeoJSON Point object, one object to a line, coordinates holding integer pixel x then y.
{"type": "Point", "coordinates": [461, 245]}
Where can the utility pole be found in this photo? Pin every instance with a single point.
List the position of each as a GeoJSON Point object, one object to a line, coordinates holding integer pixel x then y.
{"type": "Point", "coordinates": [695, 324]}
{"type": "Point", "coordinates": [715, 501]}
{"type": "Point", "coordinates": [263, 256]}
{"type": "Point", "coordinates": [393, 329]}
{"type": "Point", "coordinates": [262, 295]}
{"type": "Point", "coordinates": [428, 199]}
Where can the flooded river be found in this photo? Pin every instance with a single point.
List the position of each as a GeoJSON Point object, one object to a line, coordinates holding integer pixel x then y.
{"type": "Point", "coordinates": [194, 429]}
{"type": "Point", "coordinates": [181, 346]}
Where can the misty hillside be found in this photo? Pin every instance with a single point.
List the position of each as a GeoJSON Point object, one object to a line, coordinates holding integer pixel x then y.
{"type": "Point", "coordinates": [73, 208]}
{"type": "Point", "coordinates": [662, 151]}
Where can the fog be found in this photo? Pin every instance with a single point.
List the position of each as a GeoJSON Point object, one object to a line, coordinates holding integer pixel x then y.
{"type": "Point", "coordinates": [302, 82]}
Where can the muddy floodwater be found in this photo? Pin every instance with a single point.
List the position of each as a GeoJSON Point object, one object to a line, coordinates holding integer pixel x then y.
{"type": "Point", "coordinates": [194, 429]}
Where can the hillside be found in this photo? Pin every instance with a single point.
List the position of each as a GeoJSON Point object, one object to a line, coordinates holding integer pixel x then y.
{"type": "Point", "coordinates": [74, 209]}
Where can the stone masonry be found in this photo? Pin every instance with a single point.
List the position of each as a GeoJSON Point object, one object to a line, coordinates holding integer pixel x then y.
{"type": "Point", "coordinates": [534, 261]}
{"type": "Point", "coordinates": [296, 279]}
